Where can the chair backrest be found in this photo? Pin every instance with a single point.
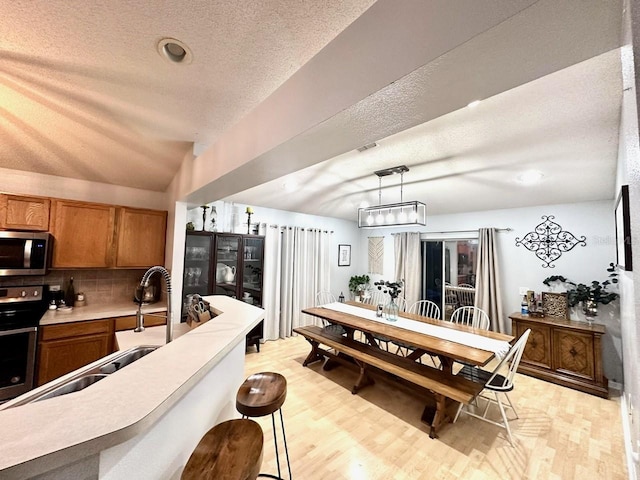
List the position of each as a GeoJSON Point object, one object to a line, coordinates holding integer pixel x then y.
{"type": "Point", "coordinates": [507, 367]}
{"type": "Point", "coordinates": [471, 316]}
{"type": "Point", "coordinates": [376, 297]}
{"type": "Point", "coordinates": [324, 297]}
{"type": "Point", "coordinates": [466, 295]}
{"type": "Point", "coordinates": [426, 308]}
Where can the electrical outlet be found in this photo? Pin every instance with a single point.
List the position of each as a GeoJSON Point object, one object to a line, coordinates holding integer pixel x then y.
{"type": "Point", "coordinates": [524, 290]}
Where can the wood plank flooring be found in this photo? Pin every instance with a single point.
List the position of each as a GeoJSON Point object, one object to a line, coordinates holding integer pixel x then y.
{"type": "Point", "coordinates": [377, 434]}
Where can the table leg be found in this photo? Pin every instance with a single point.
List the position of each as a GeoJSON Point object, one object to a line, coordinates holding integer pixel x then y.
{"type": "Point", "coordinates": [314, 354]}
{"type": "Point", "coordinates": [363, 380]}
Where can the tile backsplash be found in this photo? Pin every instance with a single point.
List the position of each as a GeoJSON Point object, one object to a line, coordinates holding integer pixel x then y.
{"type": "Point", "coordinates": [98, 286]}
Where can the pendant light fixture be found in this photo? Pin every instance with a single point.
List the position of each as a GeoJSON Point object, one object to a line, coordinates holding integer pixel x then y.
{"type": "Point", "coordinates": [395, 214]}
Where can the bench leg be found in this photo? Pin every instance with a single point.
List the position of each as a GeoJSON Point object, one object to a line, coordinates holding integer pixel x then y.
{"type": "Point", "coordinates": [435, 419]}
{"type": "Point", "coordinates": [363, 380]}
{"type": "Point", "coordinates": [314, 354]}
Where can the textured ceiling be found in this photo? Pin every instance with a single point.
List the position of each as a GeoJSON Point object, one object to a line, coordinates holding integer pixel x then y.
{"type": "Point", "coordinates": [85, 94]}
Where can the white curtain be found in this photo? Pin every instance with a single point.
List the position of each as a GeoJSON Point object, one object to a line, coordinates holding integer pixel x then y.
{"type": "Point", "coordinates": [488, 280]}
{"type": "Point", "coordinates": [407, 262]}
{"type": "Point", "coordinates": [297, 265]}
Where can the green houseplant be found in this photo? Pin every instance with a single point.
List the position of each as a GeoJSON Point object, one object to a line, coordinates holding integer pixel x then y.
{"type": "Point", "coordinates": [358, 284]}
{"type": "Point", "coordinates": [589, 295]}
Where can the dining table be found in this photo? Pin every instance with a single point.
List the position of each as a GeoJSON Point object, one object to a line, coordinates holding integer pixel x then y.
{"type": "Point", "coordinates": [451, 343]}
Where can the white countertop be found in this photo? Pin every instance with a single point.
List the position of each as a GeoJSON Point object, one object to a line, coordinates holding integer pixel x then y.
{"type": "Point", "coordinates": [150, 336]}
{"type": "Point", "coordinates": [95, 312]}
{"type": "Point", "coordinates": [43, 435]}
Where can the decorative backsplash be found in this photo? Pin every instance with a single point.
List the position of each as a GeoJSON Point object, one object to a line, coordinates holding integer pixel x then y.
{"type": "Point", "coordinates": [98, 286]}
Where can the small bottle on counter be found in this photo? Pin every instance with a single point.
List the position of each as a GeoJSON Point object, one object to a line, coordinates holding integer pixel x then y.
{"type": "Point", "coordinates": [524, 306]}
{"type": "Point", "coordinates": [70, 294]}
{"type": "Point", "coordinates": [341, 298]}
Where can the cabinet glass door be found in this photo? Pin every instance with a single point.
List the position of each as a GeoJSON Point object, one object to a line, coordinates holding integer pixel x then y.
{"type": "Point", "coordinates": [228, 263]}
{"type": "Point", "coordinates": [252, 270]}
{"type": "Point", "coordinates": [197, 259]}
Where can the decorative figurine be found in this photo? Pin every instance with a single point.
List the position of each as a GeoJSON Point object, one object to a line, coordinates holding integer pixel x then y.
{"type": "Point", "coordinates": [249, 212]}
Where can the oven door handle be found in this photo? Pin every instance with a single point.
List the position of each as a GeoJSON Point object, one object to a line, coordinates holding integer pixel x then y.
{"type": "Point", "coordinates": [19, 330]}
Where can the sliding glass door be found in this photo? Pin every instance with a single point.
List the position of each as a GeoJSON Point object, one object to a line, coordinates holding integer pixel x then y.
{"type": "Point", "coordinates": [449, 273]}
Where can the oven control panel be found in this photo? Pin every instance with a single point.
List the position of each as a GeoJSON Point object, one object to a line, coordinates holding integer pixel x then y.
{"type": "Point", "coordinates": [30, 293]}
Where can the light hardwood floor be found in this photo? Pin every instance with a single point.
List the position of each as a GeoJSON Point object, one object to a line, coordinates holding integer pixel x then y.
{"type": "Point", "coordinates": [377, 434]}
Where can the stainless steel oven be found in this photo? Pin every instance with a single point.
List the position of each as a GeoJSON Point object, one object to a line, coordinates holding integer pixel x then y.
{"type": "Point", "coordinates": [21, 309]}
{"type": "Point", "coordinates": [24, 253]}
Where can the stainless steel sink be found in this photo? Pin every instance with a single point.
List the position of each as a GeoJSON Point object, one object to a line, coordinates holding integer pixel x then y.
{"type": "Point", "coordinates": [85, 377]}
{"type": "Point", "coordinates": [72, 386]}
{"type": "Point", "coordinates": [126, 358]}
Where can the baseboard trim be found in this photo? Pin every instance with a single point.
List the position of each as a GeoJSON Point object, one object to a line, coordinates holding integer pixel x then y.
{"type": "Point", "coordinates": [628, 446]}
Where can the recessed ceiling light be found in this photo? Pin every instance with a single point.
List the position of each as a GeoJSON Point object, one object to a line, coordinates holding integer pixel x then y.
{"type": "Point", "coordinates": [367, 146]}
{"type": "Point", "coordinates": [175, 51]}
{"type": "Point", "coordinates": [474, 104]}
{"type": "Point", "coordinates": [530, 177]}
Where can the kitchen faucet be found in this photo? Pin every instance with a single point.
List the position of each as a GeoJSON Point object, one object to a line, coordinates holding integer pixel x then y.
{"type": "Point", "coordinates": [145, 283]}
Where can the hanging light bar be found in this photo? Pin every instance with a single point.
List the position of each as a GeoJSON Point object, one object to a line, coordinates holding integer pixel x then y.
{"type": "Point", "coordinates": [395, 214]}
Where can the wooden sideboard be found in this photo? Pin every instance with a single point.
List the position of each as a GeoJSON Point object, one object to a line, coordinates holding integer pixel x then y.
{"type": "Point", "coordinates": [565, 352]}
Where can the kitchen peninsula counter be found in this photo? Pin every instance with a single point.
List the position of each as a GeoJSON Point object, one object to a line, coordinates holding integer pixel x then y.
{"type": "Point", "coordinates": [142, 421]}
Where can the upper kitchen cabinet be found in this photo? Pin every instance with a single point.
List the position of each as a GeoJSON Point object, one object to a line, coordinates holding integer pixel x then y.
{"type": "Point", "coordinates": [83, 233]}
{"type": "Point", "coordinates": [24, 213]}
{"type": "Point", "coordinates": [141, 237]}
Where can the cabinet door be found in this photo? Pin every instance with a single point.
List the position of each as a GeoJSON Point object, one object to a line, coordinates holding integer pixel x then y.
{"type": "Point", "coordinates": [573, 353]}
{"type": "Point", "coordinates": [228, 265]}
{"type": "Point", "coordinates": [252, 264]}
{"type": "Point", "coordinates": [83, 234]}
{"type": "Point", "coordinates": [198, 275]}
{"type": "Point", "coordinates": [24, 213]}
{"type": "Point", "coordinates": [538, 348]}
{"type": "Point", "coordinates": [141, 237]}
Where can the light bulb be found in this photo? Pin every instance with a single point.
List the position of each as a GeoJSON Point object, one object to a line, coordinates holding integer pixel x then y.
{"type": "Point", "coordinates": [369, 219]}
{"type": "Point", "coordinates": [390, 217]}
{"type": "Point", "coordinates": [402, 216]}
{"type": "Point", "coordinates": [413, 216]}
{"type": "Point", "coordinates": [379, 218]}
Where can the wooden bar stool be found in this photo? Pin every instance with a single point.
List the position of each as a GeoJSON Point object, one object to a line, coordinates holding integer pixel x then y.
{"type": "Point", "coordinates": [263, 394]}
{"type": "Point", "coordinates": [231, 450]}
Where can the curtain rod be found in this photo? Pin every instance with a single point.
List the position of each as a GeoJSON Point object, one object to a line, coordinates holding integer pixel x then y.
{"type": "Point", "coordinates": [508, 229]}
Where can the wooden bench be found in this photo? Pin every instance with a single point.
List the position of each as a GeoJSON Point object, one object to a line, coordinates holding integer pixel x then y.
{"type": "Point", "coordinates": [445, 387]}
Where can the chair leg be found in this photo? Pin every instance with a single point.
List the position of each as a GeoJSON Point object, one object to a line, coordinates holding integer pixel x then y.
{"type": "Point", "coordinates": [511, 406]}
{"type": "Point", "coordinates": [458, 412]}
{"type": "Point", "coordinates": [275, 441]}
{"type": "Point", "coordinates": [286, 448]}
{"type": "Point", "coordinates": [504, 419]}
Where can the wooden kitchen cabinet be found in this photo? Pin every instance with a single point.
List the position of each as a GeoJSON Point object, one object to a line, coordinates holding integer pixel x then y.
{"type": "Point", "coordinates": [561, 351]}
{"type": "Point", "coordinates": [83, 234]}
{"type": "Point", "coordinates": [141, 237]}
{"type": "Point", "coordinates": [66, 347]}
{"type": "Point", "coordinates": [24, 213]}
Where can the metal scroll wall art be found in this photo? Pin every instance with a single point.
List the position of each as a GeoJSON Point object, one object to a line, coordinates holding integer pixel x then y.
{"type": "Point", "coordinates": [549, 241]}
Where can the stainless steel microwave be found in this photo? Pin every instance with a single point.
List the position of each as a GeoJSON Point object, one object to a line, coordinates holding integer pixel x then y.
{"type": "Point", "coordinates": [24, 253]}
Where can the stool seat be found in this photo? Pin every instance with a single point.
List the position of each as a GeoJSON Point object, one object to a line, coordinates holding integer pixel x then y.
{"type": "Point", "coordinates": [231, 450]}
{"type": "Point", "coordinates": [261, 394]}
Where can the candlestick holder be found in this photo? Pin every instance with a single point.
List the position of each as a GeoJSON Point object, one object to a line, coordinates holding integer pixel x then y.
{"type": "Point", "coordinates": [204, 215]}
{"type": "Point", "coordinates": [249, 222]}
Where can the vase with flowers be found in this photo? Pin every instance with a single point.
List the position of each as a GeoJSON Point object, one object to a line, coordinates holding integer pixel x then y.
{"type": "Point", "coordinates": [393, 289]}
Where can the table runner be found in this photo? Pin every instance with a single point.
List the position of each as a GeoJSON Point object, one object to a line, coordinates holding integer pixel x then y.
{"type": "Point", "coordinates": [499, 347]}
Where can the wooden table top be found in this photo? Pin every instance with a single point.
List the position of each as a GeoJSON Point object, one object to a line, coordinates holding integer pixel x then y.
{"type": "Point", "coordinates": [446, 348]}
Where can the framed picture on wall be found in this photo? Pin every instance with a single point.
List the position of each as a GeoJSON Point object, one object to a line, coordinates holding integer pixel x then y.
{"type": "Point", "coordinates": [344, 255]}
{"type": "Point", "coordinates": [623, 230]}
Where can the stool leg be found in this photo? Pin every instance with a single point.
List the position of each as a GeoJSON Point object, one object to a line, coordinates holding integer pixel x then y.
{"type": "Point", "coordinates": [275, 441]}
{"type": "Point", "coordinates": [286, 449]}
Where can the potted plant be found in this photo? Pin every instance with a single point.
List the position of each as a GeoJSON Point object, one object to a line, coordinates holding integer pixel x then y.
{"type": "Point", "coordinates": [588, 295]}
{"type": "Point", "coordinates": [358, 284]}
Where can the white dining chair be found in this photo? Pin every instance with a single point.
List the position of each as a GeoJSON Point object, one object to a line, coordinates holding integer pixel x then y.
{"type": "Point", "coordinates": [426, 308]}
{"type": "Point", "coordinates": [471, 316]}
{"type": "Point", "coordinates": [499, 381]}
{"type": "Point", "coordinates": [324, 297]}
{"type": "Point", "coordinates": [466, 294]}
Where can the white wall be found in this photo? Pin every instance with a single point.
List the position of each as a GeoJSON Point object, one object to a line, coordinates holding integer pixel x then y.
{"type": "Point", "coordinates": [27, 183]}
{"type": "Point", "coordinates": [521, 268]}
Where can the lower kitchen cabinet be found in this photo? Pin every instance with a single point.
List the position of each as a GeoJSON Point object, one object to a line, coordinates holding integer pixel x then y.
{"type": "Point", "coordinates": [562, 351]}
{"type": "Point", "coordinates": [66, 347]}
